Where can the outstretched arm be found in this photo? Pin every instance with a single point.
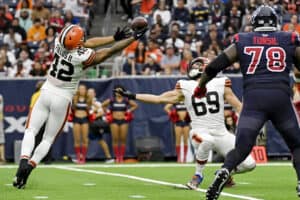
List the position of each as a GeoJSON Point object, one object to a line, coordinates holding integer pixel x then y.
{"type": "Point", "coordinates": [172, 96]}
{"type": "Point", "coordinates": [120, 34]}
{"type": "Point", "coordinates": [105, 53]}
{"type": "Point", "coordinates": [98, 42]}
{"type": "Point", "coordinates": [230, 97]}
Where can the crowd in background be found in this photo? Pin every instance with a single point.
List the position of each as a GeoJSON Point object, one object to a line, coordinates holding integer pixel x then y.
{"type": "Point", "coordinates": [179, 30]}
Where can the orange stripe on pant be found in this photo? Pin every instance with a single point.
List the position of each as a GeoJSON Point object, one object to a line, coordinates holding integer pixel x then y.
{"type": "Point", "coordinates": [197, 138]}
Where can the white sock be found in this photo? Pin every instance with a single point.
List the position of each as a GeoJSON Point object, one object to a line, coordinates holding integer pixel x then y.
{"type": "Point", "coordinates": [41, 151]}
{"type": "Point", "coordinates": [28, 142]}
{"type": "Point", "coordinates": [199, 169]}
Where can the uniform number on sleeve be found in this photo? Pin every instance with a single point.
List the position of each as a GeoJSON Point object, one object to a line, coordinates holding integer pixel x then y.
{"type": "Point", "coordinates": [63, 74]}
{"type": "Point", "coordinates": [212, 104]}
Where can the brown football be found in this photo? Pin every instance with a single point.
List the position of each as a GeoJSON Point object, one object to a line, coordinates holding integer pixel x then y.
{"type": "Point", "coordinates": [139, 23]}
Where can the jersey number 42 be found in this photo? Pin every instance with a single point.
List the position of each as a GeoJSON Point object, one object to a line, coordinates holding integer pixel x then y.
{"type": "Point", "coordinates": [63, 74]}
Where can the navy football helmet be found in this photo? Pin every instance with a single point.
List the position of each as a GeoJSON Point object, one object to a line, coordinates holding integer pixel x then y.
{"type": "Point", "coordinates": [264, 16]}
{"type": "Point", "coordinates": [196, 67]}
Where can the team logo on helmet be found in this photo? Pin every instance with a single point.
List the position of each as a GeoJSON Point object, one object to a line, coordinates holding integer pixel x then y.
{"type": "Point", "coordinates": [71, 37]}
{"type": "Point", "coordinates": [196, 67]}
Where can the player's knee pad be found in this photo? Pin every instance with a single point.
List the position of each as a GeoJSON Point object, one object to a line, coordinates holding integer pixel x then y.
{"type": "Point", "coordinates": [203, 150]}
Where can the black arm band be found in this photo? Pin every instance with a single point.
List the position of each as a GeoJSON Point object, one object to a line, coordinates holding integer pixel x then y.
{"type": "Point", "coordinates": [217, 65]}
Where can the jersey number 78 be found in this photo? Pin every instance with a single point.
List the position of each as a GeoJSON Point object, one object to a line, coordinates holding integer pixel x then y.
{"type": "Point", "coordinates": [275, 58]}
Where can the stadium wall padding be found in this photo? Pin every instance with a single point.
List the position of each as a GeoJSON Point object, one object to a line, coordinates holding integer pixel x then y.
{"type": "Point", "coordinates": [149, 119]}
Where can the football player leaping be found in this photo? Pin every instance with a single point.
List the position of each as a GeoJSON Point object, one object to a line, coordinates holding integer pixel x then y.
{"type": "Point", "coordinates": [72, 55]}
{"type": "Point", "coordinates": [207, 116]}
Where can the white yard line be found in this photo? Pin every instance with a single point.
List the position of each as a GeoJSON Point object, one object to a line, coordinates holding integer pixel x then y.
{"type": "Point", "coordinates": [147, 180]}
{"type": "Point", "coordinates": [137, 165]}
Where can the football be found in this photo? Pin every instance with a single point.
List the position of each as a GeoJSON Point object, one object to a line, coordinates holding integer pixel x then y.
{"type": "Point", "coordinates": [139, 23]}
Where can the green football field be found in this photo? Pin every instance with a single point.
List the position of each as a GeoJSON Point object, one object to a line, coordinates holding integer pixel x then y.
{"type": "Point", "coordinates": [155, 181]}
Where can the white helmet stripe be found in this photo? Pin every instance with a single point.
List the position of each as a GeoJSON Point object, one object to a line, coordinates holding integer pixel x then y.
{"type": "Point", "coordinates": [64, 33]}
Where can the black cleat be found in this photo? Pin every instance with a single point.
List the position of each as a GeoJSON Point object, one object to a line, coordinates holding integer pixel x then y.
{"type": "Point", "coordinates": [22, 175]}
{"type": "Point", "coordinates": [215, 189]}
{"type": "Point", "coordinates": [298, 190]}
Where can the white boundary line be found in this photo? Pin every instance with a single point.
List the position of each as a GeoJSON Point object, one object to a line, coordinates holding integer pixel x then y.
{"type": "Point", "coordinates": [137, 165]}
{"type": "Point", "coordinates": [149, 181]}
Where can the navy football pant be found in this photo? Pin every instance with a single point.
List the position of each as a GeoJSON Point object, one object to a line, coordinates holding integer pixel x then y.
{"type": "Point", "coordinates": [260, 105]}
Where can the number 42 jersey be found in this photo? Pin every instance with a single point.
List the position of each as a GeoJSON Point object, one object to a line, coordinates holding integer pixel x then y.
{"type": "Point", "coordinates": [208, 112]}
{"type": "Point", "coordinates": [66, 69]}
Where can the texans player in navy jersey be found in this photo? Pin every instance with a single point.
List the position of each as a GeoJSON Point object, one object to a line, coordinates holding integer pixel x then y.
{"type": "Point", "coordinates": [266, 57]}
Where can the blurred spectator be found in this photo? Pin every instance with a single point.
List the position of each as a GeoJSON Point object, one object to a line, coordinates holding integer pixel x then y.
{"type": "Point", "coordinates": [56, 21]}
{"type": "Point", "coordinates": [13, 39]}
{"type": "Point", "coordinates": [19, 70]}
{"type": "Point", "coordinates": [78, 9]}
{"type": "Point", "coordinates": [181, 13]}
{"type": "Point", "coordinates": [8, 12]}
{"type": "Point", "coordinates": [234, 12]}
{"type": "Point", "coordinates": [2, 135]}
{"type": "Point", "coordinates": [119, 111]}
{"type": "Point", "coordinates": [43, 56]}
{"type": "Point", "coordinates": [170, 61]}
{"type": "Point", "coordinates": [127, 8]}
{"type": "Point", "coordinates": [151, 66]}
{"type": "Point", "coordinates": [3, 67]}
{"type": "Point", "coordinates": [228, 36]}
{"type": "Point", "coordinates": [26, 61]}
{"type": "Point", "coordinates": [119, 60]}
{"type": "Point", "coordinates": [37, 70]}
{"type": "Point", "coordinates": [25, 20]}
{"type": "Point", "coordinates": [129, 67]}
{"type": "Point", "coordinates": [230, 124]}
{"type": "Point", "coordinates": [174, 37]}
{"type": "Point", "coordinates": [69, 18]}
{"type": "Point", "coordinates": [18, 29]}
{"type": "Point", "coordinates": [186, 59]}
{"type": "Point", "coordinates": [293, 25]}
{"type": "Point", "coordinates": [200, 12]}
{"type": "Point", "coordinates": [7, 55]}
{"type": "Point", "coordinates": [165, 15]}
{"type": "Point", "coordinates": [158, 33]}
{"type": "Point", "coordinates": [22, 6]}
{"type": "Point", "coordinates": [152, 47]}
{"type": "Point", "coordinates": [37, 32]}
{"type": "Point", "coordinates": [146, 9]}
{"type": "Point", "coordinates": [4, 21]}
{"type": "Point", "coordinates": [40, 12]}
{"type": "Point", "coordinates": [51, 33]}
{"type": "Point", "coordinates": [212, 41]}
{"type": "Point", "coordinates": [190, 40]}
{"type": "Point", "coordinates": [57, 4]}
{"type": "Point", "coordinates": [217, 15]}
{"type": "Point", "coordinates": [140, 56]}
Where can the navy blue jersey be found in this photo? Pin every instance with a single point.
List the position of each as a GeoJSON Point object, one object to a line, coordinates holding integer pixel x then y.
{"type": "Point", "coordinates": [266, 58]}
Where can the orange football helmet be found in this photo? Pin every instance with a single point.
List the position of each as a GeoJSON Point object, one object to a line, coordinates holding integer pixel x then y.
{"type": "Point", "coordinates": [71, 37]}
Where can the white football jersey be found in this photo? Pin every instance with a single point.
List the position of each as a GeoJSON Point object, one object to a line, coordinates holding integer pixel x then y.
{"type": "Point", "coordinates": [66, 69]}
{"type": "Point", "coordinates": [207, 112]}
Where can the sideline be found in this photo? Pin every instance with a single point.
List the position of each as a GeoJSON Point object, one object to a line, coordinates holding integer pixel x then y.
{"type": "Point", "coordinates": [137, 165]}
